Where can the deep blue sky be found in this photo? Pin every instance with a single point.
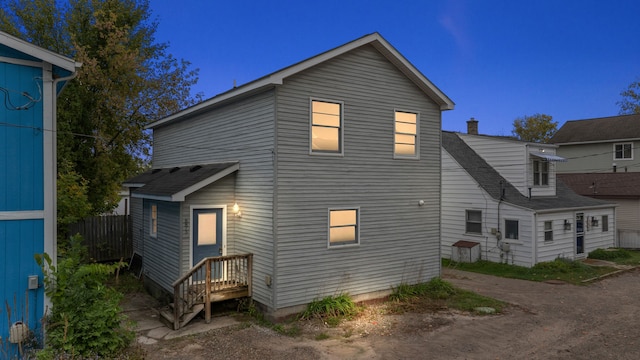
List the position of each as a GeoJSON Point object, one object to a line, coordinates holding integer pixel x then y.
{"type": "Point", "coordinates": [497, 60]}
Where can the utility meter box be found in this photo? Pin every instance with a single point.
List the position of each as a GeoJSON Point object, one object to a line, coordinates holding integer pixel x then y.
{"type": "Point", "coordinates": [465, 251]}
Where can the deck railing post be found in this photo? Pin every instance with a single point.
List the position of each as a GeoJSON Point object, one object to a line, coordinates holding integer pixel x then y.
{"type": "Point", "coordinates": [176, 305]}
{"type": "Point", "coordinates": [249, 272]}
{"type": "Point", "coordinates": [207, 292]}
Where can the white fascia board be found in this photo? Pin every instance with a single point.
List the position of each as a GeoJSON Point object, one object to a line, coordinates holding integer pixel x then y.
{"type": "Point", "coordinates": [278, 77]}
{"type": "Point", "coordinates": [151, 197]}
{"type": "Point", "coordinates": [578, 208]}
{"type": "Point", "coordinates": [38, 52]}
{"type": "Point", "coordinates": [180, 196]}
{"type": "Point", "coordinates": [22, 215]}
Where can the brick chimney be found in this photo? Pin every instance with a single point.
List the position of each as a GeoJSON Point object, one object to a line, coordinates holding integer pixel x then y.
{"type": "Point", "coordinates": [472, 126]}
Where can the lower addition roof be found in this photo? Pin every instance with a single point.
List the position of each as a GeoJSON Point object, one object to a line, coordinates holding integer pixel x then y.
{"type": "Point", "coordinates": [605, 185]}
{"type": "Point", "coordinates": [175, 183]}
{"type": "Point", "coordinates": [500, 189]}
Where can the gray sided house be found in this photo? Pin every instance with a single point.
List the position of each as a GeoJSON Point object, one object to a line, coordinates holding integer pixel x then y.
{"type": "Point", "coordinates": [502, 194]}
{"type": "Point", "coordinates": [327, 171]}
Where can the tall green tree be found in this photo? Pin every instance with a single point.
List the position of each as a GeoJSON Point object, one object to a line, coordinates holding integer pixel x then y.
{"type": "Point", "coordinates": [630, 103]}
{"type": "Point", "coordinates": [538, 128]}
{"type": "Point", "coordinates": [127, 80]}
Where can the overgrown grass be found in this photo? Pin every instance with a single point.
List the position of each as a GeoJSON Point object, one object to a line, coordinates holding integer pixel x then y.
{"type": "Point", "coordinates": [574, 272]}
{"type": "Point", "coordinates": [331, 309]}
{"type": "Point", "coordinates": [618, 256]}
{"type": "Point", "coordinates": [439, 294]}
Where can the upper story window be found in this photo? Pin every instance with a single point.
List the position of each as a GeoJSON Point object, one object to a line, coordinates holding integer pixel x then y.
{"type": "Point", "coordinates": [343, 227]}
{"type": "Point", "coordinates": [623, 151]}
{"type": "Point", "coordinates": [540, 173]}
{"type": "Point", "coordinates": [511, 229]}
{"type": "Point", "coordinates": [473, 222]}
{"type": "Point", "coordinates": [326, 127]}
{"type": "Point", "coordinates": [153, 221]}
{"type": "Point", "coordinates": [406, 134]}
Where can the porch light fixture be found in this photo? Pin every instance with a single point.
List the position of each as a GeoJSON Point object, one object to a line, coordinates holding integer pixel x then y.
{"type": "Point", "coordinates": [567, 225]}
{"type": "Point", "coordinates": [236, 210]}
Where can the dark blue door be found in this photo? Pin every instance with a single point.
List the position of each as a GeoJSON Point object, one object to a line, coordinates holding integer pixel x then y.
{"type": "Point", "coordinates": [207, 236]}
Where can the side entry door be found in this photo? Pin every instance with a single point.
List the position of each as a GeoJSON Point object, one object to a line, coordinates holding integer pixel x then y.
{"type": "Point", "coordinates": [207, 236]}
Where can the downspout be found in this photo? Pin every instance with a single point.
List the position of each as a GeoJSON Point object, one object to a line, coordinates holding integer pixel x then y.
{"type": "Point", "coordinates": [534, 242]}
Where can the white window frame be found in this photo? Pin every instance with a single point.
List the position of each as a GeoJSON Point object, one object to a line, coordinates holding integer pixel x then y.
{"type": "Point", "coordinates": [340, 151]}
{"type": "Point", "coordinates": [416, 155]}
{"type": "Point", "coordinates": [466, 222]}
{"type": "Point", "coordinates": [335, 245]}
{"type": "Point", "coordinates": [153, 220]}
{"type": "Point", "coordinates": [605, 223]}
{"type": "Point", "coordinates": [548, 231]}
{"type": "Point", "coordinates": [506, 234]}
{"type": "Point", "coordinates": [615, 157]}
{"type": "Point", "coordinates": [538, 164]}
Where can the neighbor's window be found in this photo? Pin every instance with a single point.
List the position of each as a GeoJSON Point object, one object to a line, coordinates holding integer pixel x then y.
{"type": "Point", "coordinates": [605, 223]}
{"type": "Point", "coordinates": [540, 172]}
{"type": "Point", "coordinates": [153, 223]}
{"type": "Point", "coordinates": [511, 229]}
{"type": "Point", "coordinates": [326, 127]}
{"type": "Point", "coordinates": [548, 231]}
{"type": "Point", "coordinates": [406, 134]}
{"type": "Point", "coordinates": [343, 227]}
{"type": "Point", "coordinates": [623, 151]}
{"type": "Point", "coordinates": [474, 222]}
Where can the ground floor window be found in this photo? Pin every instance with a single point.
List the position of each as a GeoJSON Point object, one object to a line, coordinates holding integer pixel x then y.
{"type": "Point", "coordinates": [605, 223]}
{"type": "Point", "coordinates": [473, 222]}
{"type": "Point", "coordinates": [343, 227]}
{"type": "Point", "coordinates": [548, 231]}
{"type": "Point", "coordinates": [511, 229]}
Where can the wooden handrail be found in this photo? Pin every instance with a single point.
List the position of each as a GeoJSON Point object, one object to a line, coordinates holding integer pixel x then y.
{"type": "Point", "coordinates": [186, 296]}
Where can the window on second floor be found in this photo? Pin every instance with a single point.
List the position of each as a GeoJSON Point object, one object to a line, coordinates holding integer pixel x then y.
{"type": "Point", "coordinates": [473, 222]}
{"type": "Point", "coordinates": [511, 229]}
{"type": "Point", "coordinates": [406, 134]}
{"type": "Point", "coordinates": [540, 173]}
{"type": "Point", "coordinates": [623, 151]}
{"type": "Point", "coordinates": [326, 127]}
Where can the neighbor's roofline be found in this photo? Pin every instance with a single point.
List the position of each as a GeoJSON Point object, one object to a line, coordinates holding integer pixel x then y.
{"type": "Point", "coordinates": [598, 141]}
{"type": "Point", "coordinates": [277, 77]}
{"type": "Point", "coordinates": [38, 52]}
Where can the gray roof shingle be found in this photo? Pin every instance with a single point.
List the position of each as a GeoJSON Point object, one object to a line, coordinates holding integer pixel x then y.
{"type": "Point", "coordinates": [166, 182]}
{"type": "Point", "coordinates": [598, 129]}
{"type": "Point", "coordinates": [606, 185]}
{"type": "Point", "coordinates": [496, 185]}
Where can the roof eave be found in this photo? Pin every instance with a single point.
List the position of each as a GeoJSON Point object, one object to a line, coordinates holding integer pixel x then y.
{"type": "Point", "coordinates": [181, 195]}
{"type": "Point", "coordinates": [40, 53]}
{"type": "Point", "coordinates": [278, 77]}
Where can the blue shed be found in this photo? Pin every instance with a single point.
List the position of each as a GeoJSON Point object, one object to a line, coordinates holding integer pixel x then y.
{"type": "Point", "coordinates": [30, 79]}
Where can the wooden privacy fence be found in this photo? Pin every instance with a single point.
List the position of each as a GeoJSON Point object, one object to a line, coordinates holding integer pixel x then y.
{"type": "Point", "coordinates": [108, 238]}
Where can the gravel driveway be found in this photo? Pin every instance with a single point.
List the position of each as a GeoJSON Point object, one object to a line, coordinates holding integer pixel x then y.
{"type": "Point", "coordinates": [546, 321]}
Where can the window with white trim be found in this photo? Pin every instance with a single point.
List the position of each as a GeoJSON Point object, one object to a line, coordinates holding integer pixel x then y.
{"type": "Point", "coordinates": [511, 229]}
{"type": "Point", "coordinates": [473, 222]}
{"type": "Point", "coordinates": [623, 151]}
{"type": "Point", "coordinates": [343, 227]}
{"type": "Point", "coordinates": [548, 231]}
{"type": "Point", "coordinates": [605, 223]}
{"type": "Point", "coordinates": [326, 127]}
{"type": "Point", "coordinates": [406, 134]}
{"type": "Point", "coordinates": [153, 221]}
{"type": "Point", "coordinates": [540, 173]}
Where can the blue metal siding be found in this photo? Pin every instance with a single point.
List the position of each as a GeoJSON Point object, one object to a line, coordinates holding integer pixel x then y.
{"type": "Point", "coordinates": [21, 140]}
{"type": "Point", "coordinates": [19, 241]}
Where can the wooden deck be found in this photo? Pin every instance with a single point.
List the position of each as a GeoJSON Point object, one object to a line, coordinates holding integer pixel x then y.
{"type": "Point", "coordinates": [212, 280]}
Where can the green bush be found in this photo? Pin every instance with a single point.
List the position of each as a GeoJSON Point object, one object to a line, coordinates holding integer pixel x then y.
{"type": "Point", "coordinates": [612, 254]}
{"type": "Point", "coordinates": [332, 308]}
{"type": "Point", "coordinates": [436, 288]}
{"type": "Point", "coordinates": [85, 318]}
{"type": "Point", "coordinates": [559, 265]}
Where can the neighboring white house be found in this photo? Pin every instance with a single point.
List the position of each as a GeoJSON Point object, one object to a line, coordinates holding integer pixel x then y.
{"type": "Point", "coordinates": [502, 193]}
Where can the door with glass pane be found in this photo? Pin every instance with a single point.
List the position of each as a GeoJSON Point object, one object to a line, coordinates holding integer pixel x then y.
{"type": "Point", "coordinates": [579, 234]}
{"type": "Point", "coordinates": [207, 237]}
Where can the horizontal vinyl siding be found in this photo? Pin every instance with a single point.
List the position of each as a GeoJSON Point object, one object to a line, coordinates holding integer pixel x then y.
{"type": "Point", "coordinates": [460, 193]}
{"type": "Point", "coordinates": [161, 252]}
{"type": "Point", "coordinates": [628, 213]}
{"type": "Point", "coordinates": [596, 158]}
{"type": "Point", "coordinates": [241, 131]}
{"type": "Point", "coordinates": [399, 240]}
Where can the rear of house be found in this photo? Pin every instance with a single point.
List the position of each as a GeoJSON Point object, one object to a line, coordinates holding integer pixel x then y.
{"type": "Point", "coordinates": [30, 78]}
{"type": "Point", "coordinates": [503, 195]}
{"type": "Point", "coordinates": [334, 187]}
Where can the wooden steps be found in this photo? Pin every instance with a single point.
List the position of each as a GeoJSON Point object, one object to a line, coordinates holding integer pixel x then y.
{"type": "Point", "coordinates": [166, 316]}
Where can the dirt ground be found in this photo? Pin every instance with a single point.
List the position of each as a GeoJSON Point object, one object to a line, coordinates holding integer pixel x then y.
{"type": "Point", "coordinates": [544, 321]}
